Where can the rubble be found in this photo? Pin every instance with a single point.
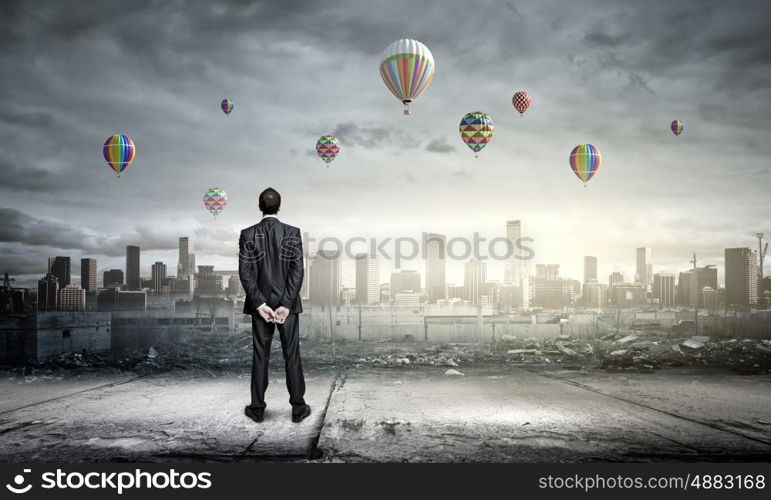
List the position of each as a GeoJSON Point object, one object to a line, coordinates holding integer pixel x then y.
{"type": "Point", "coordinates": [452, 372]}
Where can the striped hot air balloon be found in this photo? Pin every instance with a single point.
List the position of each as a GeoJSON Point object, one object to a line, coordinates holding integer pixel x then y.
{"type": "Point", "coordinates": [585, 160]}
{"type": "Point", "coordinates": [119, 152]}
{"type": "Point", "coordinates": [476, 130]}
{"type": "Point", "coordinates": [521, 101]}
{"type": "Point", "coordinates": [677, 127]}
{"type": "Point", "coordinates": [215, 200]}
{"type": "Point", "coordinates": [407, 68]}
{"type": "Point", "coordinates": [328, 147]}
{"type": "Point", "coordinates": [227, 106]}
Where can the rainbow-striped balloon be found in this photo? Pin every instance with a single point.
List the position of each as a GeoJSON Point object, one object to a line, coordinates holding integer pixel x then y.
{"type": "Point", "coordinates": [328, 147]}
{"type": "Point", "coordinates": [677, 127]}
{"type": "Point", "coordinates": [476, 130]}
{"type": "Point", "coordinates": [119, 152]}
{"type": "Point", "coordinates": [407, 68]}
{"type": "Point", "coordinates": [585, 160]}
{"type": "Point", "coordinates": [215, 200]}
{"type": "Point", "coordinates": [227, 106]}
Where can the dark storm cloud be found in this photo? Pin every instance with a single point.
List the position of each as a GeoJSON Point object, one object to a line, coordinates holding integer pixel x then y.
{"type": "Point", "coordinates": [440, 146]}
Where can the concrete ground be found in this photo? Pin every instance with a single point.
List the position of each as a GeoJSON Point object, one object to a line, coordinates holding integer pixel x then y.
{"type": "Point", "coordinates": [492, 414]}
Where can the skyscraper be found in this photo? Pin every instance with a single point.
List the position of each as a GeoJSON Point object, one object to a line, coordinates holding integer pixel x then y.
{"type": "Point", "coordinates": [644, 267]}
{"type": "Point", "coordinates": [741, 276]}
{"type": "Point", "coordinates": [158, 275]}
{"type": "Point", "coordinates": [88, 274]}
{"type": "Point", "coordinates": [664, 289]}
{"type": "Point", "coordinates": [60, 267]}
{"type": "Point", "coordinates": [325, 274]}
{"type": "Point", "coordinates": [436, 284]}
{"type": "Point", "coordinates": [513, 270]}
{"type": "Point", "coordinates": [367, 279]}
{"type": "Point", "coordinates": [615, 278]}
{"type": "Point", "coordinates": [590, 269]}
{"type": "Point", "coordinates": [48, 293]}
{"type": "Point", "coordinates": [186, 264]}
{"type": "Point", "coordinates": [475, 275]}
{"type": "Point", "coordinates": [132, 268]}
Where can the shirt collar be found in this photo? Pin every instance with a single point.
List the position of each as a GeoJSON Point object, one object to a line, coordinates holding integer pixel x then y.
{"type": "Point", "coordinates": [270, 215]}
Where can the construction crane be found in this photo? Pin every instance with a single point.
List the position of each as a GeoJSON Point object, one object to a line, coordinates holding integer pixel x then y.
{"type": "Point", "coordinates": [6, 281]}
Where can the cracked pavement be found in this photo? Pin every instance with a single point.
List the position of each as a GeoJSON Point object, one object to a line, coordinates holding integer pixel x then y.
{"type": "Point", "coordinates": [501, 413]}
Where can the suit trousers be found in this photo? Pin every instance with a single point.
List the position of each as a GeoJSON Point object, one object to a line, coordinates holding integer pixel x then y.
{"type": "Point", "coordinates": [262, 334]}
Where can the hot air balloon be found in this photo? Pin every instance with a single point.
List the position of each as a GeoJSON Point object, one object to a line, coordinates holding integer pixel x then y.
{"type": "Point", "coordinates": [407, 70]}
{"type": "Point", "coordinates": [677, 127]}
{"type": "Point", "coordinates": [119, 152]}
{"type": "Point", "coordinates": [227, 106]}
{"type": "Point", "coordinates": [328, 147]}
{"type": "Point", "coordinates": [521, 101]}
{"type": "Point", "coordinates": [585, 160]}
{"type": "Point", "coordinates": [476, 130]}
{"type": "Point", "coordinates": [215, 200]}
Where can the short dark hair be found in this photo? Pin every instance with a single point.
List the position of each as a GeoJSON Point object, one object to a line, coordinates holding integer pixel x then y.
{"type": "Point", "coordinates": [270, 201]}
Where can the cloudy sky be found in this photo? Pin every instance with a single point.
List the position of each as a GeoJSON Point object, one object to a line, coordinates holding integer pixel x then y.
{"type": "Point", "coordinates": [611, 74]}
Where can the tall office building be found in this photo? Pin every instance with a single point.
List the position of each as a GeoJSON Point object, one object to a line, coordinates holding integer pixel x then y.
{"type": "Point", "coordinates": [595, 295]}
{"type": "Point", "coordinates": [436, 284]}
{"type": "Point", "coordinates": [687, 293]}
{"type": "Point", "coordinates": [664, 289]}
{"type": "Point", "coordinates": [404, 281]}
{"type": "Point", "coordinates": [325, 275]}
{"type": "Point", "coordinates": [475, 274]}
{"type": "Point", "coordinates": [513, 269]}
{"type": "Point", "coordinates": [60, 267]}
{"type": "Point", "coordinates": [741, 276]}
{"type": "Point", "coordinates": [367, 279]}
{"type": "Point", "coordinates": [132, 268]}
{"type": "Point", "coordinates": [48, 293]}
{"type": "Point", "coordinates": [88, 274]}
{"type": "Point", "coordinates": [547, 271]}
{"type": "Point", "coordinates": [72, 298]}
{"type": "Point", "coordinates": [112, 278]}
{"type": "Point", "coordinates": [158, 276]}
{"type": "Point", "coordinates": [186, 264]}
{"type": "Point", "coordinates": [644, 267]}
{"type": "Point", "coordinates": [615, 278]}
{"type": "Point", "coordinates": [590, 269]}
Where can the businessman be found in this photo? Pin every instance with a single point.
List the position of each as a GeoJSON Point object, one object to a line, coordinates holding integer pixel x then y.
{"type": "Point", "coordinates": [270, 265]}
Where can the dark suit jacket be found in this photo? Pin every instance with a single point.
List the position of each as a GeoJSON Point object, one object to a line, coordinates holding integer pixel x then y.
{"type": "Point", "coordinates": [270, 265]}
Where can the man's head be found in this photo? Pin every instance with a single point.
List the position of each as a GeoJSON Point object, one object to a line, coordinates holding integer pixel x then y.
{"type": "Point", "coordinates": [270, 201]}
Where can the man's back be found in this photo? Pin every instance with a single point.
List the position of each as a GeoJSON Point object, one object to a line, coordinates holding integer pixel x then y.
{"type": "Point", "coordinates": [271, 257]}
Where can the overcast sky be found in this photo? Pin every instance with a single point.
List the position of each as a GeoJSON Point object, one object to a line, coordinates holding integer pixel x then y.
{"type": "Point", "coordinates": [614, 75]}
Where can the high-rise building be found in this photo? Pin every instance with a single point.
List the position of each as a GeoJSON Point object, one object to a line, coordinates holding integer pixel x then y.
{"type": "Point", "coordinates": [158, 276]}
{"type": "Point", "coordinates": [547, 271]}
{"type": "Point", "coordinates": [436, 284]}
{"type": "Point", "coordinates": [48, 293]}
{"type": "Point", "coordinates": [644, 267]}
{"type": "Point", "coordinates": [615, 278]}
{"type": "Point", "coordinates": [367, 279]}
{"type": "Point", "coordinates": [475, 274]}
{"type": "Point", "coordinates": [132, 268]}
{"type": "Point", "coordinates": [513, 269]}
{"type": "Point", "coordinates": [405, 281]}
{"type": "Point", "coordinates": [664, 289]}
{"type": "Point", "coordinates": [741, 276]}
{"type": "Point", "coordinates": [112, 278]}
{"type": "Point", "coordinates": [325, 274]}
{"type": "Point", "coordinates": [72, 298]}
{"type": "Point", "coordinates": [590, 269]}
{"type": "Point", "coordinates": [88, 274]}
{"type": "Point", "coordinates": [60, 267]}
{"type": "Point", "coordinates": [186, 264]}
{"type": "Point", "coordinates": [687, 290]}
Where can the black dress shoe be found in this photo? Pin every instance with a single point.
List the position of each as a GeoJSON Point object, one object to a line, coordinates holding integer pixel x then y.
{"type": "Point", "coordinates": [298, 416]}
{"type": "Point", "coordinates": [254, 413]}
